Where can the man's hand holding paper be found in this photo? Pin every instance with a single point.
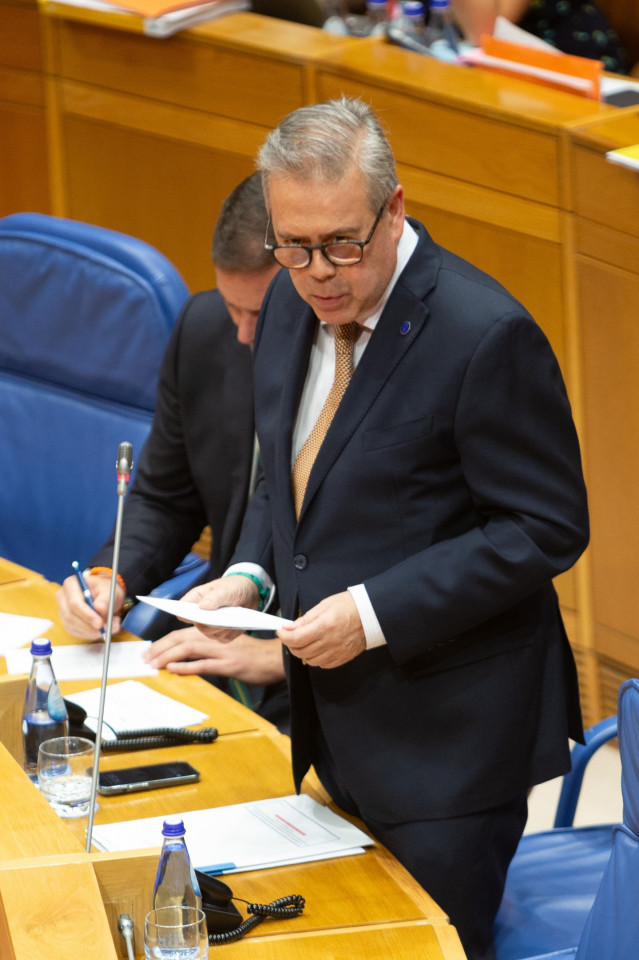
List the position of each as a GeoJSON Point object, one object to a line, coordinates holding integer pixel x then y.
{"type": "Point", "coordinates": [234, 591]}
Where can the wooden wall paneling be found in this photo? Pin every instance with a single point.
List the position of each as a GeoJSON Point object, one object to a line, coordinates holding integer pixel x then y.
{"type": "Point", "coordinates": [606, 240]}
{"type": "Point", "coordinates": [24, 178]}
{"type": "Point", "coordinates": [610, 337]}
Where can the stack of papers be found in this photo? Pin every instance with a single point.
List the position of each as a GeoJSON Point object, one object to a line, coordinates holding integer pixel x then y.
{"type": "Point", "coordinates": [159, 18]}
{"type": "Point", "coordinates": [247, 836]}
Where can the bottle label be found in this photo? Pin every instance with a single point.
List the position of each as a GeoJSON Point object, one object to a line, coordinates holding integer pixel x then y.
{"type": "Point", "coordinates": [55, 703]}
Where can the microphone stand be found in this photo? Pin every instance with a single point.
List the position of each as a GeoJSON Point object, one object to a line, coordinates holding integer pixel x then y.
{"type": "Point", "coordinates": [123, 467]}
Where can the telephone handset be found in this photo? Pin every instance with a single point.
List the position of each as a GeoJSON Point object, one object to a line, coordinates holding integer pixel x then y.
{"type": "Point", "coordinates": [224, 921]}
{"type": "Point", "coordinates": [136, 739]}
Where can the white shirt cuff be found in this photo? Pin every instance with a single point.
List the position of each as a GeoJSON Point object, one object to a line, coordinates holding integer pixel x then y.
{"type": "Point", "coordinates": [370, 623]}
{"type": "Point", "coordinates": [256, 571]}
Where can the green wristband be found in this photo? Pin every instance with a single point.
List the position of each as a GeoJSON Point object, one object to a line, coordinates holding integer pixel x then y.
{"type": "Point", "coordinates": [264, 591]}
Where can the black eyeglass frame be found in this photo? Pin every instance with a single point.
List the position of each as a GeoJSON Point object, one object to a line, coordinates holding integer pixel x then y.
{"type": "Point", "coordinates": [322, 246]}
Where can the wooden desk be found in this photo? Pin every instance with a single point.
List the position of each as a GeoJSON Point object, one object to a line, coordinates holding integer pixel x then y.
{"type": "Point", "coordinates": [358, 906]}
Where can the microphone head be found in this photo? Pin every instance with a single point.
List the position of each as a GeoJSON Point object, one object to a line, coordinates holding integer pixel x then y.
{"type": "Point", "coordinates": [125, 923]}
{"type": "Point", "coordinates": [125, 458]}
{"type": "Point", "coordinates": [123, 466]}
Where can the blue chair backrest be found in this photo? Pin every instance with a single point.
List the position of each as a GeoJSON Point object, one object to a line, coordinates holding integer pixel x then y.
{"type": "Point", "coordinates": [85, 317]}
{"type": "Point", "coordinates": [611, 931]}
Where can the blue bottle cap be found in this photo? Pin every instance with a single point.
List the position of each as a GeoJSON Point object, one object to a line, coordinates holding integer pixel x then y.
{"type": "Point", "coordinates": [173, 827]}
{"type": "Point", "coordinates": [41, 648]}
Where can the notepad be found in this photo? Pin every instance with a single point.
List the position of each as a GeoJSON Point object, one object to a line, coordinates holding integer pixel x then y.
{"type": "Point", "coordinates": [131, 705]}
{"type": "Point", "coordinates": [247, 836]}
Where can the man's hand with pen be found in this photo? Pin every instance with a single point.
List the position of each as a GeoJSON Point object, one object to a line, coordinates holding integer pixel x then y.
{"type": "Point", "coordinates": [85, 616]}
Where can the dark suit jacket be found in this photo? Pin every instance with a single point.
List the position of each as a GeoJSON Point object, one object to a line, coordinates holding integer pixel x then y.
{"type": "Point", "coordinates": [449, 484]}
{"type": "Point", "coordinates": [195, 467]}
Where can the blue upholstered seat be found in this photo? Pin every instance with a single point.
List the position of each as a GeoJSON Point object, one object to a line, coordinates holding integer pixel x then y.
{"type": "Point", "coordinates": [571, 891]}
{"type": "Point", "coordinates": [85, 317]}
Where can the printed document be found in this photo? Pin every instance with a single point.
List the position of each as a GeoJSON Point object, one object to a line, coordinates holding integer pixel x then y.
{"type": "Point", "coordinates": [247, 836]}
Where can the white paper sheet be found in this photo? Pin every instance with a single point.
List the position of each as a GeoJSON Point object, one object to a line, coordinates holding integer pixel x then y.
{"type": "Point", "coordinates": [16, 631]}
{"type": "Point", "coordinates": [236, 618]}
{"type": "Point", "coordinates": [84, 661]}
{"type": "Point", "coordinates": [247, 836]}
{"type": "Point", "coordinates": [131, 705]}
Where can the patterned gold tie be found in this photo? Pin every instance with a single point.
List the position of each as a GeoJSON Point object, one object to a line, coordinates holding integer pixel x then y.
{"type": "Point", "coordinates": [345, 337]}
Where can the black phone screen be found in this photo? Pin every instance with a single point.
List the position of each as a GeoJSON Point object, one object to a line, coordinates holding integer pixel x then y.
{"type": "Point", "coordinates": [146, 777]}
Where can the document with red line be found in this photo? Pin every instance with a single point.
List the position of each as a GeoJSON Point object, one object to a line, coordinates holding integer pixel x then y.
{"type": "Point", "coordinates": [247, 836]}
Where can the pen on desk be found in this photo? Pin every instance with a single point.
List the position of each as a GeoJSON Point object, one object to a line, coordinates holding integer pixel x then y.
{"type": "Point", "coordinates": [84, 587]}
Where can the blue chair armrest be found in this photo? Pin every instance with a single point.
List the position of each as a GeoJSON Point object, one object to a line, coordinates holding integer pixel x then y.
{"type": "Point", "coordinates": [191, 571]}
{"type": "Point", "coordinates": [596, 736]}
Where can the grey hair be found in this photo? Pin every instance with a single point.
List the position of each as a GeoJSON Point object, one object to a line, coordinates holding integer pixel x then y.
{"type": "Point", "coordinates": [323, 141]}
{"type": "Point", "coordinates": [238, 238]}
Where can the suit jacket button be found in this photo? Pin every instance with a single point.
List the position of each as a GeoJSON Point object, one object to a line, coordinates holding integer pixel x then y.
{"type": "Point", "coordinates": [300, 561]}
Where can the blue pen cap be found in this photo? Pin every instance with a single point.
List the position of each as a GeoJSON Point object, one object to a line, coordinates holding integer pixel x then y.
{"type": "Point", "coordinates": [41, 648]}
{"type": "Point", "coordinates": [173, 827]}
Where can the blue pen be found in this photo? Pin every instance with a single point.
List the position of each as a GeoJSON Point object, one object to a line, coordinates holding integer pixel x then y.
{"type": "Point", "coordinates": [84, 587]}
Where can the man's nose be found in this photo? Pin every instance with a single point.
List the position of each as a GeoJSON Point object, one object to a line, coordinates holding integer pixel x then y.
{"type": "Point", "coordinates": [320, 266]}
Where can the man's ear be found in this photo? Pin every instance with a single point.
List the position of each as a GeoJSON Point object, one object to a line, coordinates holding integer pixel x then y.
{"type": "Point", "coordinates": [395, 207]}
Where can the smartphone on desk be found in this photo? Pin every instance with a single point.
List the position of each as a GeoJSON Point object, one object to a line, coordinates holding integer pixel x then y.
{"type": "Point", "coordinates": [147, 777]}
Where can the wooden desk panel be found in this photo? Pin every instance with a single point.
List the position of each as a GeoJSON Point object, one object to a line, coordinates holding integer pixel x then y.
{"type": "Point", "coordinates": [605, 199]}
{"type": "Point", "coordinates": [28, 825]}
{"type": "Point", "coordinates": [24, 174]}
{"type": "Point", "coordinates": [604, 192]}
{"type": "Point", "coordinates": [168, 128]}
{"type": "Point", "coordinates": [196, 73]}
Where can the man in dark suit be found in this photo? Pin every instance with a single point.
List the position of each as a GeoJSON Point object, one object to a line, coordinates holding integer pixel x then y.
{"type": "Point", "coordinates": [416, 525]}
{"type": "Point", "coordinates": [195, 466]}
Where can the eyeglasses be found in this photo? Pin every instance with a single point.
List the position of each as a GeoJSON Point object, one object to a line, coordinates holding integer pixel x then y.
{"type": "Point", "coordinates": [342, 253]}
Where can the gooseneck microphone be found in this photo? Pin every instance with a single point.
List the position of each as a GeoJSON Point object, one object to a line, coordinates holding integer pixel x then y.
{"type": "Point", "coordinates": [123, 467]}
{"type": "Point", "coordinates": [125, 926]}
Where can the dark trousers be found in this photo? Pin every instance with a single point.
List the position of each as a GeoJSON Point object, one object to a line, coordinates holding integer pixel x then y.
{"type": "Point", "coordinates": [460, 861]}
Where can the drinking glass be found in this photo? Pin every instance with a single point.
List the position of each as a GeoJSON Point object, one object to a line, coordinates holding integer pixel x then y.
{"type": "Point", "coordinates": [175, 933]}
{"type": "Point", "coordinates": [65, 767]}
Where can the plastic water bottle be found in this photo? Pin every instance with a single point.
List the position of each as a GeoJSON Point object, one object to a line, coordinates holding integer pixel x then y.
{"type": "Point", "coordinates": [440, 34]}
{"type": "Point", "coordinates": [334, 17]}
{"type": "Point", "coordinates": [372, 23]}
{"type": "Point", "coordinates": [44, 715]}
{"type": "Point", "coordinates": [413, 19]}
{"type": "Point", "coordinates": [175, 882]}
{"type": "Point", "coordinates": [407, 29]}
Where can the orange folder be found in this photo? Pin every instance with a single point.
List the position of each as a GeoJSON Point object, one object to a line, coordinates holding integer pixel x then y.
{"type": "Point", "coordinates": [561, 71]}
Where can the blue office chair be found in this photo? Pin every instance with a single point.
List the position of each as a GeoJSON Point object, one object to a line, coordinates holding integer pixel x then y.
{"type": "Point", "coordinates": [570, 891]}
{"type": "Point", "coordinates": [85, 317]}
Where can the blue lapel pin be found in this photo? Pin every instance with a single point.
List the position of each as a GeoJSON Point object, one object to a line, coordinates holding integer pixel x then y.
{"type": "Point", "coordinates": [405, 327]}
